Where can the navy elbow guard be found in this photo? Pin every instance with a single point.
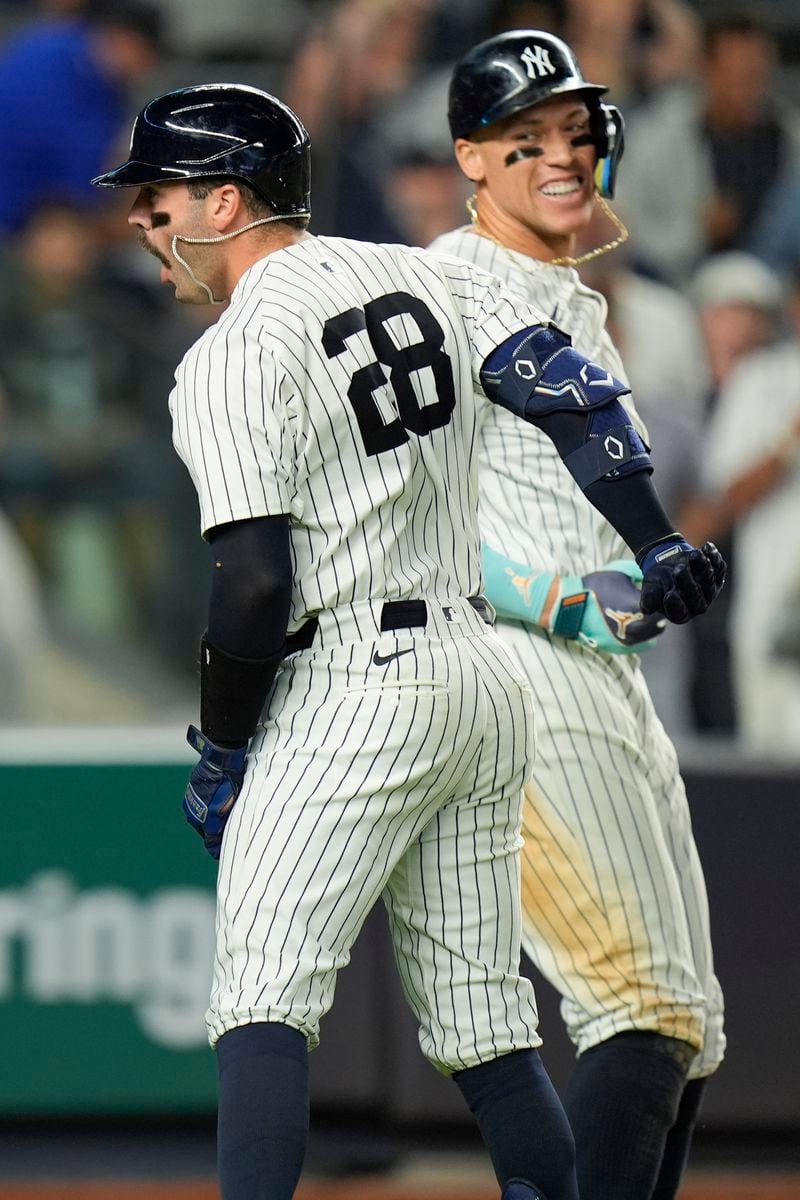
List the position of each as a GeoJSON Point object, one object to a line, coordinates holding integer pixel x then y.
{"type": "Point", "coordinates": [537, 373]}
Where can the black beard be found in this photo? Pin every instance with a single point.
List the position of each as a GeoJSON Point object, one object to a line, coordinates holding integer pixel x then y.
{"type": "Point", "coordinates": [143, 242]}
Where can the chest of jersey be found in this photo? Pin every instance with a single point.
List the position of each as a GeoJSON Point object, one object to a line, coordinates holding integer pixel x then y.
{"type": "Point", "coordinates": [530, 505]}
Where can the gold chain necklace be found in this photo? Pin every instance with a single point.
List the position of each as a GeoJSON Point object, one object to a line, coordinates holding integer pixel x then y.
{"type": "Point", "coordinates": [567, 260]}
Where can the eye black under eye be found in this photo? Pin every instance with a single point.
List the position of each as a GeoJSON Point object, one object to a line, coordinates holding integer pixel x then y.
{"type": "Point", "coordinates": [158, 219]}
{"type": "Point", "coordinates": [521, 153]}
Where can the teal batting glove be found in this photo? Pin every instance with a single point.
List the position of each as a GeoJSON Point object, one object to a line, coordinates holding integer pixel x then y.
{"type": "Point", "coordinates": [600, 610]}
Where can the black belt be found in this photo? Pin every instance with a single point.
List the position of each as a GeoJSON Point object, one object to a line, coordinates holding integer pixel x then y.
{"type": "Point", "coordinates": [395, 614]}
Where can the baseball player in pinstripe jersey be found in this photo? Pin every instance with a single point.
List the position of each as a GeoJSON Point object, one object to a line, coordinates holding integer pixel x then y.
{"type": "Point", "coordinates": [614, 904]}
{"type": "Point", "coordinates": [364, 734]}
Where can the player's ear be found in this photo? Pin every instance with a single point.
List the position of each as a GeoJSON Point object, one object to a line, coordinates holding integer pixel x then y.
{"type": "Point", "coordinates": [470, 159]}
{"type": "Point", "coordinates": [227, 203]}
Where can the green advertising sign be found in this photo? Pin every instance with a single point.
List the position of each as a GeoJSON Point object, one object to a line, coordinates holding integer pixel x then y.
{"type": "Point", "coordinates": [106, 941]}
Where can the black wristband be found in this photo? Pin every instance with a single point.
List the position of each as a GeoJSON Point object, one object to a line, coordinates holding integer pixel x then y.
{"type": "Point", "coordinates": [232, 693]}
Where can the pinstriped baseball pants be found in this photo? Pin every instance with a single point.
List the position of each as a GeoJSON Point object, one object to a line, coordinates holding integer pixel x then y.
{"type": "Point", "coordinates": [389, 765]}
{"type": "Point", "coordinates": [615, 913]}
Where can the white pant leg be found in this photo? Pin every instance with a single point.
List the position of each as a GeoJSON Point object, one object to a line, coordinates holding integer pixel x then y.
{"type": "Point", "coordinates": [453, 898]}
{"type": "Point", "coordinates": [353, 762]}
{"type": "Point", "coordinates": [675, 816]}
{"type": "Point", "coordinates": [612, 897]}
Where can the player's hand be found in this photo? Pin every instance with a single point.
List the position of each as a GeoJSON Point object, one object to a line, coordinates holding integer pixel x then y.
{"type": "Point", "coordinates": [612, 619]}
{"type": "Point", "coordinates": [600, 610]}
{"type": "Point", "coordinates": [681, 580]}
{"type": "Point", "coordinates": [213, 788]}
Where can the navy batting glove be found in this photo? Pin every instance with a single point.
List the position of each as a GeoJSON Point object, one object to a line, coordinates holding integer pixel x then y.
{"type": "Point", "coordinates": [212, 789]}
{"type": "Point", "coordinates": [681, 580]}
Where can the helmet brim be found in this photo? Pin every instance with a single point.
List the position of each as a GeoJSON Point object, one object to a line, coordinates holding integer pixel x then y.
{"type": "Point", "coordinates": [138, 174]}
{"type": "Point", "coordinates": [538, 95]}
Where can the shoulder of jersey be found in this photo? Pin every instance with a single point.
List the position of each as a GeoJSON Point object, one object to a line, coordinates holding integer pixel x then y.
{"type": "Point", "coordinates": [450, 242]}
{"type": "Point", "coordinates": [539, 286]}
{"type": "Point", "coordinates": [333, 256]}
{"type": "Point", "coordinates": [462, 245]}
{"type": "Point", "coordinates": [455, 253]}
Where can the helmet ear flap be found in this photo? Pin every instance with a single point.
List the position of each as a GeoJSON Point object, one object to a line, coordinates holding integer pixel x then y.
{"type": "Point", "coordinates": [608, 132]}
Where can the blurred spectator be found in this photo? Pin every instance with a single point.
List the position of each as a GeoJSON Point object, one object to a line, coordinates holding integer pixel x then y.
{"type": "Point", "coordinates": [752, 471]}
{"type": "Point", "coordinates": [526, 14]}
{"type": "Point", "coordinates": [631, 45]}
{"type": "Point", "coordinates": [78, 438]}
{"type": "Point", "coordinates": [740, 303]}
{"type": "Point", "coordinates": [776, 235]}
{"type": "Point", "coordinates": [22, 636]}
{"type": "Point", "coordinates": [59, 7]}
{"type": "Point", "coordinates": [634, 46]}
{"type": "Point", "coordinates": [702, 161]}
{"type": "Point", "coordinates": [424, 196]}
{"type": "Point", "coordinates": [140, 313]}
{"type": "Point", "coordinates": [342, 82]}
{"type": "Point", "coordinates": [236, 31]}
{"type": "Point", "coordinates": [786, 644]}
{"type": "Point", "coordinates": [63, 95]}
{"type": "Point", "coordinates": [424, 191]}
{"type": "Point", "coordinates": [454, 26]}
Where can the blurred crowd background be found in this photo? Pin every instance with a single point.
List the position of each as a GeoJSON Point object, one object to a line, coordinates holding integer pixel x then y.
{"type": "Point", "coordinates": [103, 573]}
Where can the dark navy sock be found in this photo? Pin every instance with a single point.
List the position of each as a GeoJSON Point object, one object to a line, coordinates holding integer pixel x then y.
{"type": "Point", "coordinates": [522, 1122]}
{"type": "Point", "coordinates": [622, 1101]}
{"type": "Point", "coordinates": [679, 1139]}
{"type": "Point", "coordinates": [262, 1127]}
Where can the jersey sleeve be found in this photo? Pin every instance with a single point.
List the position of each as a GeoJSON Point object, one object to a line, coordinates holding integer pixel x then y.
{"type": "Point", "coordinates": [492, 315]}
{"type": "Point", "coordinates": [232, 426]}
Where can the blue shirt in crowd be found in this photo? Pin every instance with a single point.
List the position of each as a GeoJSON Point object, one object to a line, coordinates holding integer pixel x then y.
{"type": "Point", "coordinates": [61, 116]}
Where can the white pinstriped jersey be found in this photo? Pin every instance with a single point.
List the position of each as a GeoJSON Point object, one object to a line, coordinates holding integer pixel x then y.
{"type": "Point", "coordinates": [341, 388]}
{"type": "Point", "coordinates": [304, 399]}
{"type": "Point", "coordinates": [614, 904]}
{"type": "Point", "coordinates": [531, 508]}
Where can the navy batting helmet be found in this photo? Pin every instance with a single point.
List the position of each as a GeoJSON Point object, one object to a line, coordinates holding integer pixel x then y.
{"type": "Point", "coordinates": [220, 129]}
{"type": "Point", "coordinates": [523, 67]}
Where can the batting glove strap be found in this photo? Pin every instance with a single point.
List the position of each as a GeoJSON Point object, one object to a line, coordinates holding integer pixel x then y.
{"type": "Point", "coordinates": [213, 787]}
{"type": "Point", "coordinates": [664, 551]}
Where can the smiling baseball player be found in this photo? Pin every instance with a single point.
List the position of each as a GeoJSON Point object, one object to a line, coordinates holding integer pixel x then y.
{"type": "Point", "coordinates": [363, 732]}
{"type": "Point", "coordinates": [614, 903]}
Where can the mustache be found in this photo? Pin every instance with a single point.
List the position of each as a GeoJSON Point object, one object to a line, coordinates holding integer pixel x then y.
{"type": "Point", "coordinates": [145, 244]}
